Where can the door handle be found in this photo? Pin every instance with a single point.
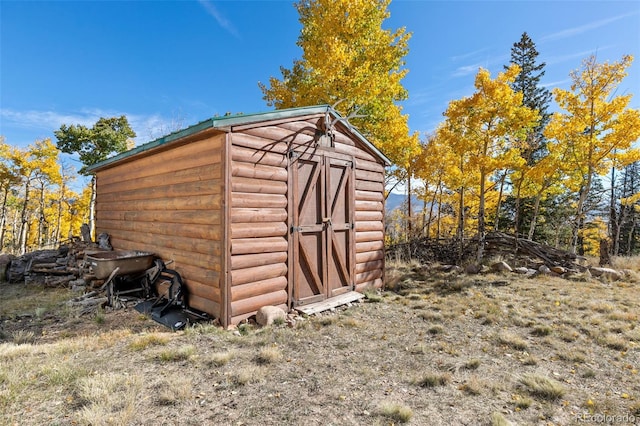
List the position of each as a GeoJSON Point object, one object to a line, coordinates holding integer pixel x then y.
{"type": "Point", "coordinates": [326, 220]}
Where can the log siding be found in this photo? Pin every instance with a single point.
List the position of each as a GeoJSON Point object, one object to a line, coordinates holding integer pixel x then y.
{"type": "Point", "coordinates": [258, 223]}
{"type": "Point", "coordinates": [170, 204]}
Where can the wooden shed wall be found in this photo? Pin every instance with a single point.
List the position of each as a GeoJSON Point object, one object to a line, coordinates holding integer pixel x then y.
{"type": "Point", "coordinates": [259, 222]}
{"type": "Point", "coordinates": [259, 214]}
{"type": "Point", "coordinates": [369, 213]}
{"type": "Point", "coordinates": [170, 203]}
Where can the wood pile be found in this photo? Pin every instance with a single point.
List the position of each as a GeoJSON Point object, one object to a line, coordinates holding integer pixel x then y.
{"type": "Point", "coordinates": [497, 244]}
{"type": "Point", "coordinates": [64, 266]}
{"type": "Point", "coordinates": [445, 251]}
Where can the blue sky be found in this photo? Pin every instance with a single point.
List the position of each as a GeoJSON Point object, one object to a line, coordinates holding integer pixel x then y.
{"type": "Point", "coordinates": [170, 64]}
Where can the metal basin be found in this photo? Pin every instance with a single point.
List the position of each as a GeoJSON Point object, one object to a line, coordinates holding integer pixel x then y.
{"type": "Point", "coordinates": [129, 262]}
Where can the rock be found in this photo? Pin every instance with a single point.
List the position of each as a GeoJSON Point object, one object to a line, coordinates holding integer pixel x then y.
{"type": "Point", "coordinates": [103, 241]}
{"type": "Point", "coordinates": [544, 269]}
{"type": "Point", "coordinates": [501, 266]}
{"type": "Point", "coordinates": [608, 273]}
{"type": "Point", "coordinates": [454, 269]}
{"type": "Point", "coordinates": [16, 270]}
{"type": "Point", "coordinates": [268, 314]}
{"type": "Point", "coordinates": [78, 283]}
{"type": "Point", "coordinates": [558, 269]}
{"type": "Point", "coordinates": [473, 268]}
{"type": "Point", "coordinates": [521, 270]}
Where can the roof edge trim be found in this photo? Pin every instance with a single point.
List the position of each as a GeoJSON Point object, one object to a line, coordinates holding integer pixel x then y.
{"type": "Point", "coordinates": [224, 124]}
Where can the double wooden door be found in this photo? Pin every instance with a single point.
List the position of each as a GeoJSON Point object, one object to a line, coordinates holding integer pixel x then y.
{"type": "Point", "coordinates": [322, 231]}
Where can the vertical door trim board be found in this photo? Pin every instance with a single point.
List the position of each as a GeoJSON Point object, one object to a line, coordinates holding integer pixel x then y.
{"type": "Point", "coordinates": [324, 240]}
{"type": "Point", "coordinates": [352, 219]}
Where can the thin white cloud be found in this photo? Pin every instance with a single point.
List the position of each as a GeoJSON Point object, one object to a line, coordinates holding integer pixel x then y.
{"type": "Point", "coordinates": [467, 70]}
{"type": "Point", "coordinates": [570, 32]}
{"type": "Point", "coordinates": [43, 119]}
{"type": "Point", "coordinates": [147, 127]}
{"type": "Point", "coordinates": [556, 83]}
{"type": "Point", "coordinates": [456, 58]}
{"type": "Point", "coordinates": [557, 59]}
{"type": "Point", "coordinates": [221, 20]}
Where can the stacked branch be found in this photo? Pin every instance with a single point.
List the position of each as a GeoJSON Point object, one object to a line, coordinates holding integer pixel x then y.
{"type": "Point", "coordinates": [499, 242]}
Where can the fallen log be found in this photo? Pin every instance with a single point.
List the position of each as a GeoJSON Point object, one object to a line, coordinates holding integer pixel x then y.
{"type": "Point", "coordinates": [50, 281]}
{"type": "Point", "coordinates": [52, 271]}
{"type": "Point", "coordinates": [87, 302]}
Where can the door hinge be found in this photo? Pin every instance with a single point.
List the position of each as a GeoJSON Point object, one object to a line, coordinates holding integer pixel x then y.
{"type": "Point", "coordinates": [293, 154]}
{"type": "Point", "coordinates": [295, 229]}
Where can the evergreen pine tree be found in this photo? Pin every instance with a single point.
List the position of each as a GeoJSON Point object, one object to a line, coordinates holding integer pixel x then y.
{"type": "Point", "coordinates": [535, 96]}
{"type": "Point", "coordinates": [627, 232]}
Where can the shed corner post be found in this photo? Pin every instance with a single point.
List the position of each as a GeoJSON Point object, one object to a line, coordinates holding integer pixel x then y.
{"type": "Point", "coordinates": [225, 295]}
{"type": "Point", "coordinates": [290, 224]}
{"type": "Point", "coordinates": [384, 230]}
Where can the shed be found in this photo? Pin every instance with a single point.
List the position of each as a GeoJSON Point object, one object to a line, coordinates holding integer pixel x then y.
{"type": "Point", "coordinates": [282, 208]}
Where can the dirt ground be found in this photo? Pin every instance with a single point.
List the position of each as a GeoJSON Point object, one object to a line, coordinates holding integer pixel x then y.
{"type": "Point", "coordinates": [433, 349]}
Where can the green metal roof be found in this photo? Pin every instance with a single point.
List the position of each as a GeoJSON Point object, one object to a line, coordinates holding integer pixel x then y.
{"type": "Point", "coordinates": [226, 122]}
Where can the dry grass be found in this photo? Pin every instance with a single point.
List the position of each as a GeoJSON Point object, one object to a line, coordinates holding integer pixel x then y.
{"type": "Point", "coordinates": [177, 354]}
{"type": "Point", "coordinates": [250, 374]}
{"type": "Point", "coordinates": [269, 355]}
{"type": "Point", "coordinates": [432, 380]}
{"type": "Point", "coordinates": [147, 340]}
{"type": "Point", "coordinates": [498, 419]}
{"type": "Point", "coordinates": [473, 386]}
{"type": "Point", "coordinates": [542, 386]}
{"type": "Point", "coordinates": [106, 397]}
{"type": "Point", "coordinates": [630, 263]}
{"type": "Point", "coordinates": [174, 390]}
{"type": "Point", "coordinates": [219, 359]}
{"type": "Point", "coordinates": [531, 352]}
{"type": "Point", "coordinates": [32, 300]}
{"type": "Point", "coordinates": [395, 411]}
{"type": "Point", "coordinates": [512, 340]}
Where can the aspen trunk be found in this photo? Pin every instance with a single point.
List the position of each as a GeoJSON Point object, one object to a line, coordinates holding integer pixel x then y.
{"type": "Point", "coordinates": [496, 224]}
{"type": "Point", "coordinates": [481, 224]}
{"type": "Point", "coordinates": [534, 218]}
{"type": "Point", "coordinates": [3, 217]}
{"type": "Point", "coordinates": [92, 207]}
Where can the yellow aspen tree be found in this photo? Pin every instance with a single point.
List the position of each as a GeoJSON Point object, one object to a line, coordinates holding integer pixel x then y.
{"type": "Point", "coordinates": [61, 200]}
{"type": "Point", "coordinates": [595, 131]}
{"type": "Point", "coordinates": [37, 163]}
{"type": "Point", "coordinates": [9, 180]}
{"type": "Point", "coordinates": [431, 167]}
{"type": "Point", "coordinates": [537, 181]}
{"type": "Point", "coordinates": [486, 127]}
{"type": "Point", "coordinates": [350, 61]}
{"type": "Point", "coordinates": [459, 178]}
